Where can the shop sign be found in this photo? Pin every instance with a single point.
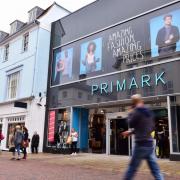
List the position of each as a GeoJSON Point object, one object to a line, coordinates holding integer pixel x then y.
{"type": "Point", "coordinates": [146, 80]}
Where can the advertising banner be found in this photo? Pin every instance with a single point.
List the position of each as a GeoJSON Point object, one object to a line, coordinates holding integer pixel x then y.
{"type": "Point", "coordinates": [51, 126]}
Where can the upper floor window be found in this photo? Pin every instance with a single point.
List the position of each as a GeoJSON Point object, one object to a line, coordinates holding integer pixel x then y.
{"type": "Point", "coordinates": [32, 15]}
{"type": "Point", "coordinates": [13, 27]}
{"type": "Point", "coordinates": [12, 85]}
{"type": "Point", "coordinates": [25, 42]}
{"type": "Point", "coordinates": [6, 52]}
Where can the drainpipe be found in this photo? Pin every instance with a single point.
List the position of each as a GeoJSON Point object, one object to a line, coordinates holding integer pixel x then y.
{"type": "Point", "coordinates": [34, 71]}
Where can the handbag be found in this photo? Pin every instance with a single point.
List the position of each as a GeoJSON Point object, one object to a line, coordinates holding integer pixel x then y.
{"type": "Point", "coordinates": [12, 149]}
{"type": "Point", "coordinates": [1, 137]}
{"type": "Point", "coordinates": [25, 144]}
{"type": "Point", "coordinates": [69, 140]}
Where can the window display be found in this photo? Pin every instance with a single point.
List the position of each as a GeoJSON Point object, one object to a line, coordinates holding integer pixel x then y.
{"type": "Point", "coordinates": [12, 126]}
{"type": "Point", "coordinates": [61, 129]}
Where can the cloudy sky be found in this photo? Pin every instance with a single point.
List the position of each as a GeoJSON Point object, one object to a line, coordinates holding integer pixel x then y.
{"type": "Point", "coordinates": [11, 10]}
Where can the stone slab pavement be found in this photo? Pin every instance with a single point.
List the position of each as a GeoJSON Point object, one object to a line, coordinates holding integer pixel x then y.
{"type": "Point", "coordinates": [79, 167]}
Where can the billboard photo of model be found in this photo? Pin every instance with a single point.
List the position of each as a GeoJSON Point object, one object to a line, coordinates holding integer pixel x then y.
{"type": "Point", "coordinates": [91, 56]}
{"type": "Point", "coordinates": [165, 37]}
{"type": "Point", "coordinates": [63, 66]}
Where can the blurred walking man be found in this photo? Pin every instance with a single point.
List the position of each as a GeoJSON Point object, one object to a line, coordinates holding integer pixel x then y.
{"type": "Point", "coordinates": [141, 122]}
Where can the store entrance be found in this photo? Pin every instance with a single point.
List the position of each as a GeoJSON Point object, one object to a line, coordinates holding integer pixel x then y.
{"type": "Point", "coordinates": [161, 135]}
{"type": "Point", "coordinates": [118, 144]}
{"type": "Point", "coordinates": [97, 133]}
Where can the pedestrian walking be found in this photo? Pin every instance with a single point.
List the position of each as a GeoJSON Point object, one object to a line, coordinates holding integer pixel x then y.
{"type": "Point", "coordinates": [74, 136]}
{"type": "Point", "coordinates": [1, 138]}
{"type": "Point", "coordinates": [11, 142]}
{"type": "Point", "coordinates": [18, 139]}
{"type": "Point", "coordinates": [25, 142]}
{"type": "Point", "coordinates": [141, 122]}
{"type": "Point", "coordinates": [35, 143]}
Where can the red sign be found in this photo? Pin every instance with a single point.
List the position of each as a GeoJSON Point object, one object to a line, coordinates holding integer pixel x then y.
{"type": "Point", "coordinates": [51, 126]}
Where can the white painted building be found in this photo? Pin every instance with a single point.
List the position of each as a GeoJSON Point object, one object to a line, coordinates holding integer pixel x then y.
{"type": "Point", "coordinates": [24, 57]}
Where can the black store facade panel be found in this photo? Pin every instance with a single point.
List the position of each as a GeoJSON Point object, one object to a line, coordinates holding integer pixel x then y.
{"type": "Point", "coordinates": [102, 54]}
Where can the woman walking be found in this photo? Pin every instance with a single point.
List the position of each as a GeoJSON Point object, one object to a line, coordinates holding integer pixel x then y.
{"type": "Point", "coordinates": [74, 136]}
{"type": "Point", "coordinates": [18, 139]}
{"type": "Point", "coordinates": [25, 141]}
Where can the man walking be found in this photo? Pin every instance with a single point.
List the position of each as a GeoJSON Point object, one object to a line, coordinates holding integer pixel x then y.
{"type": "Point", "coordinates": [141, 122]}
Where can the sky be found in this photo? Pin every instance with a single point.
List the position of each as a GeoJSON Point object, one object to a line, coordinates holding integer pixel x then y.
{"type": "Point", "coordinates": [11, 10]}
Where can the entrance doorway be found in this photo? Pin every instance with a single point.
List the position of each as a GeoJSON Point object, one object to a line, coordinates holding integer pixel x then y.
{"type": "Point", "coordinates": [12, 126]}
{"type": "Point", "coordinates": [118, 144]}
{"type": "Point", "coordinates": [97, 133]}
{"type": "Point", "coordinates": [116, 123]}
{"type": "Point", "coordinates": [162, 133]}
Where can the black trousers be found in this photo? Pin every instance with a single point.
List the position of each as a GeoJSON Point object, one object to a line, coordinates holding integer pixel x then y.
{"type": "Point", "coordinates": [34, 149]}
{"type": "Point", "coordinates": [74, 147]}
{"type": "Point", "coordinates": [24, 151]}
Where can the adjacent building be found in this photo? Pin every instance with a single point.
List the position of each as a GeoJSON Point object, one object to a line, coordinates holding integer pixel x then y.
{"type": "Point", "coordinates": [99, 56]}
{"type": "Point", "coordinates": [24, 56]}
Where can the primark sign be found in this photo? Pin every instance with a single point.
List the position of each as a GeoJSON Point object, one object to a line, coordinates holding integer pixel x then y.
{"type": "Point", "coordinates": [145, 80]}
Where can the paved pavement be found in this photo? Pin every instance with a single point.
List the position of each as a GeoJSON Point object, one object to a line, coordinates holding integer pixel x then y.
{"type": "Point", "coordinates": [80, 167]}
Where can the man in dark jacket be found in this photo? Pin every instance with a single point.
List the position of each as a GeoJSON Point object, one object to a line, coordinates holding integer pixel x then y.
{"type": "Point", "coordinates": [141, 122]}
{"type": "Point", "coordinates": [35, 143]}
{"type": "Point", "coordinates": [167, 37]}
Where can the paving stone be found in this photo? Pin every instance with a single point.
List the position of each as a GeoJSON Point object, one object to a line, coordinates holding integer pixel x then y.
{"type": "Point", "coordinates": [80, 167]}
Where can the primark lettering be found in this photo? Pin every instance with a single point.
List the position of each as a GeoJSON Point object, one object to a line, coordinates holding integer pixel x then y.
{"type": "Point", "coordinates": [145, 80]}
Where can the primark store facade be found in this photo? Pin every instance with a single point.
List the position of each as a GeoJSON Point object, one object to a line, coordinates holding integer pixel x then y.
{"type": "Point", "coordinates": [102, 54]}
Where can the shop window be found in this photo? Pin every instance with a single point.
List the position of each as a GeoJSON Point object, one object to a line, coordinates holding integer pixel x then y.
{"type": "Point", "coordinates": [61, 129]}
{"type": "Point", "coordinates": [11, 126]}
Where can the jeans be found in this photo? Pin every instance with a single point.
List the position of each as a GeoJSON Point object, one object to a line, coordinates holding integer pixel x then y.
{"type": "Point", "coordinates": [140, 153]}
{"type": "Point", "coordinates": [18, 147]}
{"type": "Point", "coordinates": [74, 147]}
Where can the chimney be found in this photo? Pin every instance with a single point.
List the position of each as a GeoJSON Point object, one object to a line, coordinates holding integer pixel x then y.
{"type": "Point", "coordinates": [3, 35]}
{"type": "Point", "coordinates": [15, 26]}
{"type": "Point", "coordinates": [34, 13]}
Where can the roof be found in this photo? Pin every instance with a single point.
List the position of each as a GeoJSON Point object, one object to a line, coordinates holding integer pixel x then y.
{"type": "Point", "coordinates": [17, 21]}
{"type": "Point", "coordinates": [26, 25]}
{"type": "Point", "coordinates": [46, 10]}
{"type": "Point", "coordinates": [35, 8]}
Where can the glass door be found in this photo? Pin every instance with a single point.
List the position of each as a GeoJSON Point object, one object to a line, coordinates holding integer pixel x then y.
{"type": "Point", "coordinates": [118, 144]}
{"type": "Point", "coordinates": [175, 123]}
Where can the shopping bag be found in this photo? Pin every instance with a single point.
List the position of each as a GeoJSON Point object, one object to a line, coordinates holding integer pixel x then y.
{"type": "Point", "coordinates": [69, 140]}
